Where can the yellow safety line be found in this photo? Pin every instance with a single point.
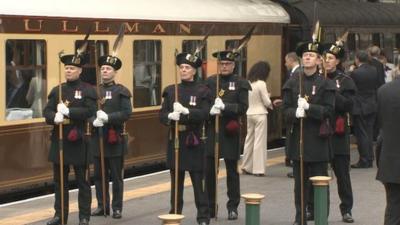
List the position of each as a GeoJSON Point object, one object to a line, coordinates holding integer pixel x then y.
{"type": "Point", "coordinates": [128, 195]}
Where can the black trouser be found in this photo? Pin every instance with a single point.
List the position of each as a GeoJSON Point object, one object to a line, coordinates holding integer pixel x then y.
{"type": "Point", "coordinates": [378, 148]}
{"type": "Point", "coordinates": [392, 212]}
{"type": "Point", "coordinates": [341, 167]}
{"type": "Point", "coordinates": [310, 169]}
{"type": "Point", "coordinates": [200, 194]}
{"type": "Point", "coordinates": [84, 194]}
{"type": "Point", "coordinates": [232, 183]}
{"type": "Point", "coordinates": [113, 168]}
{"type": "Point", "coordinates": [363, 126]}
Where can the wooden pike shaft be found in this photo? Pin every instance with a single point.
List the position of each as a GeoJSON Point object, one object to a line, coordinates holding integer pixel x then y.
{"type": "Point", "coordinates": [60, 146]}
{"type": "Point", "coordinates": [176, 143]}
{"type": "Point", "coordinates": [301, 155]}
{"type": "Point", "coordinates": [100, 130]}
{"type": "Point", "coordinates": [216, 147]}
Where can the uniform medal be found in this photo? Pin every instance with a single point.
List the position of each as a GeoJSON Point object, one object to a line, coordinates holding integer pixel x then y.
{"type": "Point", "coordinates": [337, 84]}
{"type": "Point", "coordinates": [108, 95]}
{"type": "Point", "coordinates": [313, 90]}
{"type": "Point", "coordinates": [231, 86]}
{"type": "Point", "coordinates": [78, 94]}
{"type": "Point", "coordinates": [192, 101]}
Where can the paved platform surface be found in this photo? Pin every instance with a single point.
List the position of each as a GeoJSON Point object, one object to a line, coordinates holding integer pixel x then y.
{"type": "Point", "coordinates": [147, 197]}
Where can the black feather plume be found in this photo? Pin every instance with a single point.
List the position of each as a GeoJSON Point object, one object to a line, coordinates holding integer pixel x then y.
{"type": "Point", "coordinates": [203, 42]}
{"type": "Point", "coordinates": [83, 47]}
{"type": "Point", "coordinates": [118, 40]}
{"type": "Point", "coordinates": [243, 42]}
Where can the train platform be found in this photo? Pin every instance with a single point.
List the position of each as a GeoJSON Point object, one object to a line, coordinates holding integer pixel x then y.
{"type": "Point", "coordinates": [146, 197]}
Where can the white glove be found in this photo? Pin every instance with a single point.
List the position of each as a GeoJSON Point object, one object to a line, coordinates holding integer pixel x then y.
{"type": "Point", "coordinates": [178, 107]}
{"type": "Point", "coordinates": [174, 116]}
{"type": "Point", "coordinates": [302, 103]}
{"type": "Point", "coordinates": [300, 112]}
{"type": "Point", "coordinates": [98, 123]}
{"type": "Point", "coordinates": [62, 108]}
{"type": "Point", "coordinates": [101, 115]}
{"type": "Point", "coordinates": [215, 111]}
{"type": "Point", "coordinates": [219, 104]}
{"type": "Point", "coordinates": [58, 118]}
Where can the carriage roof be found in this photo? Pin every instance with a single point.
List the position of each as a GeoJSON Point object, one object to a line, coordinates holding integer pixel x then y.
{"type": "Point", "coordinates": [348, 13]}
{"type": "Point", "coordinates": [164, 10]}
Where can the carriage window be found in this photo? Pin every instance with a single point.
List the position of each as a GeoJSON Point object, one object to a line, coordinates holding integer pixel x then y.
{"type": "Point", "coordinates": [89, 70]}
{"type": "Point", "coordinates": [241, 61]}
{"type": "Point", "coordinates": [147, 73]}
{"type": "Point", "coordinates": [190, 46]}
{"type": "Point", "coordinates": [330, 37]}
{"type": "Point", "coordinates": [25, 79]}
{"type": "Point", "coordinates": [353, 43]}
{"type": "Point", "coordinates": [377, 39]}
{"type": "Point", "coordinates": [397, 41]}
{"type": "Point", "coordinates": [396, 54]}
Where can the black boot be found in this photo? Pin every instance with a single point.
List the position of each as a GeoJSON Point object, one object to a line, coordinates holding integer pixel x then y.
{"type": "Point", "coordinates": [100, 212]}
{"type": "Point", "coordinates": [56, 220]}
{"type": "Point", "coordinates": [84, 222]}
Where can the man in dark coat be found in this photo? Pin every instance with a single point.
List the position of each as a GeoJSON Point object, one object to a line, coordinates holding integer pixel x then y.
{"type": "Point", "coordinates": [115, 110]}
{"type": "Point", "coordinates": [345, 91]}
{"type": "Point", "coordinates": [78, 104]}
{"type": "Point", "coordinates": [293, 66]}
{"type": "Point", "coordinates": [374, 53]}
{"type": "Point", "coordinates": [389, 166]}
{"type": "Point", "coordinates": [231, 102]}
{"type": "Point", "coordinates": [191, 112]}
{"type": "Point", "coordinates": [364, 110]}
{"type": "Point", "coordinates": [315, 106]}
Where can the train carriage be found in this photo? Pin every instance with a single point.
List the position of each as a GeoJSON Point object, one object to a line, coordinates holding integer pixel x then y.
{"type": "Point", "coordinates": [33, 33]}
{"type": "Point", "coordinates": [367, 23]}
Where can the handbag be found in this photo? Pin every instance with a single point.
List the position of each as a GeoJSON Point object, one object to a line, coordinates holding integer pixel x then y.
{"type": "Point", "coordinates": [339, 126]}
{"type": "Point", "coordinates": [192, 140]}
{"type": "Point", "coordinates": [325, 129]}
{"type": "Point", "coordinates": [74, 135]}
{"type": "Point", "coordinates": [112, 137]}
{"type": "Point", "coordinates": [232, 127]}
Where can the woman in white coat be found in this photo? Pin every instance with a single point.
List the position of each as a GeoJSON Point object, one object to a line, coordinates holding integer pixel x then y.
{"type": "Point", "coordinates": [255, 148]}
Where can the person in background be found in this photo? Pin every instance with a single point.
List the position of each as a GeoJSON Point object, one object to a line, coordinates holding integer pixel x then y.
{"type": "Point", "coordinates": [255, 147]}
{"type": "Point", "coordinates": [292, 64]}
{"type": "Point", "coordinates": [389, 166]}
{"type": "Point", "coordinates": [366, 79]}
{"type": "Point", "coordinates": [374, 52]}
{"type": "Point", "coordinates": [388, 67]}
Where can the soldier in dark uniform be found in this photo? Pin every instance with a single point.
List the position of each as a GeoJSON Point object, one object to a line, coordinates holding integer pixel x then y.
{"type": "Point", "coordinates": [191, 112]}
{"type": "Point", "coordinates": [316, 107]}
{"type": "Point", "coordinates": [231, 103]}
{"type": "Point", "coordinates": [345, 91]}
{"type": "Point", "coordinates": [115, 110]}
{"type": "Point", "coordinates": [79, 103]}
{"type": "Point", "coordinates": [389, 166]}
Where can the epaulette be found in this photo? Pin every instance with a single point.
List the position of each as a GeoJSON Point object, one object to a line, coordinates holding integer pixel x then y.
{"type": "Point", "coordinates": [124, 91]}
